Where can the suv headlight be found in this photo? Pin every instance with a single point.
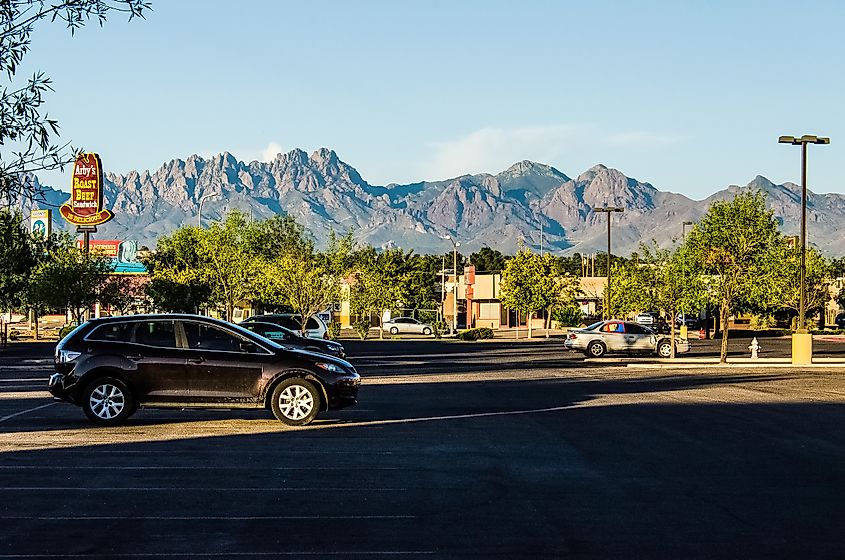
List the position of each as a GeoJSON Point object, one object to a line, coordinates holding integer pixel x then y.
{"type": "Point", "coordinates": [334, 368]}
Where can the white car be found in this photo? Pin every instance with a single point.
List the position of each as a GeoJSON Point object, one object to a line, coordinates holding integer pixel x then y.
{"type": "Point", "coordinates": [406, 325]}
{"type": "Point", "coordinates": [314, 328]}
{"type": "Point", "coordinates": [622, 336]}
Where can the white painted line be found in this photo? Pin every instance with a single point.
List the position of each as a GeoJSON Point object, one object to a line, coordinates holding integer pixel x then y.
{"type": "Point", "coordinates": [200, 517]}
{"type": "Point", "coordinates": [36, 386]}
{"type": "Point", "coordinates": [194, 468]}
{"type": "Point", "coordinates": [9, 417]}
{"type": "Point", "coordinates": [24, 379]}
{"type": "Point", "coordinates": [215, 453]}
{"type": "Point", "coordinates": [341, 553]}
{"type": "Point", "coordinates": [191, 488]}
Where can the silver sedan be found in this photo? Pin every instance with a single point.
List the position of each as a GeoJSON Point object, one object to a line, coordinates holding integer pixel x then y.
{"type": "Point", "coordinates": [621, 336]}
{"type": "Point", "coordinates": [406, 325]}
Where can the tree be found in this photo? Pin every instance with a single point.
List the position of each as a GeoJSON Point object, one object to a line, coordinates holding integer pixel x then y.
{"type": "Point", "coordinates": [529, 284]}
{"type": "Point", "coordinates": [784, 284]}
{"type": "Point", "coordinates": [68, 278]}
{"type": "Point", "coordinates": [736, 245]}
{"type": "Point", "coordinates": [121, 293]}
{"type": "Point", "coordinates": [231, 264]}
{"type": "Point", "coordinates": [372, 293]}
{"type": "Point", "coordinates": [178, 275]}
{"type": "Point", "coordinates": [488, 260]}
{"type": "Point", "coordinates": [17, 258]}
{"type": "Point", "coordinates": [26, 135]}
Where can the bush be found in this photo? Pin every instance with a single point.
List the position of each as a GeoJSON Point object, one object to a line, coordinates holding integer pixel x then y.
{"type": "Point", "coordinates": [438, 328]}
{"type": "Point", "coordinates": [362, 327]}
{"type": "Point", "coordinates": [66, 330]}
{"type": "Point", "coordinates": [568, 316]}
{"type": "Point", "coordinates": [333, 330]}
{"type": "Point", "coordinates": [762, 322]}
{"type": "Point", "coordinates": [476, 334]}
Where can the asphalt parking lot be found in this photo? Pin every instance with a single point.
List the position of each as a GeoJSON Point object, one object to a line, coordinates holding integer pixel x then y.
{"type": "Point", "coordinates": [488, 450]}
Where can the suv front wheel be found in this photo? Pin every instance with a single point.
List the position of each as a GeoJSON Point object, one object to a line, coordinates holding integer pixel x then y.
{"type": "Point", "coordinates": [295, 401]}
{"type": "Point", "coordinates": [107, 401]}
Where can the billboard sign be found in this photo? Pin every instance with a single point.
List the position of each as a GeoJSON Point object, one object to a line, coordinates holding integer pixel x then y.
{"type": "Point", "coordinates": [124, 254]}
{"type": "Point", "coordinates": [85, 207]}
{"type": "Point", "coordinates": [39, 223]}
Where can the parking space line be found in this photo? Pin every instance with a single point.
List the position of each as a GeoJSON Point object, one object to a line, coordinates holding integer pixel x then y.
{"type": "Point", "coordinates": [199, 517]}
{"type": "Point", "coordinates": [192, 488]}
{"type": "Point", "coordinates": [193, 468]}
{"type": "Point", "coordinates": [16, 414]}
{"type": "Point", "coordinates": [340, 553]}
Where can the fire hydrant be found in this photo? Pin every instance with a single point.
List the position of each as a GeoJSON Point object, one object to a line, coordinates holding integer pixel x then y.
{"type": "Point", "coordinates": [755, 347]}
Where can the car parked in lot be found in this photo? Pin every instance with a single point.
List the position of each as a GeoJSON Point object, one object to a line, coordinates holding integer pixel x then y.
{"type": "Point", "coordinates": [112, 366]}
{"type": "Point", "coordinates": [399, 325]}
{"type": "Point", "coordinates": [288, 337]}
{"type": "Point", "coordinates": [602, 337]}
{"type": "Point", "coordinates": [314, 328]}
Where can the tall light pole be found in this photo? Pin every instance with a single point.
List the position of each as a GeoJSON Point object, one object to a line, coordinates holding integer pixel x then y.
{"type": "Point", "coordinates": [607, 287]}
{"type": "Point", "coordinates": [802, 343]}
{"type": "Point", "coordinates": [202, 199]}
{"type": "Point", "coordinates": [455, 245]}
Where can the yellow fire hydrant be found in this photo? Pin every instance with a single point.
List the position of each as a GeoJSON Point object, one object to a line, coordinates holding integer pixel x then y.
{"type": "Point", "coordinates": [755, 347]}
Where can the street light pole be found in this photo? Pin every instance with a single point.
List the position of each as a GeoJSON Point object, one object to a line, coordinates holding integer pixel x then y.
{"type": "Point", "coordinates": [455, 245]}
{"type": "Point", "coordinates": [202, 200]}
{"type": "Point", "coordinates": [608, 210]}
{"type": "Point", "coordinates": [803, 141]}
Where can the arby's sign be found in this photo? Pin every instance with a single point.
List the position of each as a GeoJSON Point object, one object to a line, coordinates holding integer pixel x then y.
{"type": "Point", "coordinates": [85, 207]}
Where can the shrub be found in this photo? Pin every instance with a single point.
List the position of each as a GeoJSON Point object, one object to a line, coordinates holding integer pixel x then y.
{"type": "Point", "coordinates": [568, 316]}
{"type": "Point", "coordinates": [66, 330]}
{"type": "Point", "coordinates": [762, 322]}
{"type": "Point", "coordinates": [333, 330]}
{"type": "Point", "coordinates": [362, 327]}
{"type": "Point", "coordinates": [438, 328]}
{"type": "Point", "coordinates": [476, 334]}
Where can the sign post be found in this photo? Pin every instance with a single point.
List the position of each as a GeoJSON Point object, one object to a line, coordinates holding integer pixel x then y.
{"type": "Point", "coordinates": [85, 208]}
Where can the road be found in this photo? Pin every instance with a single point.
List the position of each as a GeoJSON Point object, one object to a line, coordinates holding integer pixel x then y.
{"type": "Point", "coordinates": [488, 450]}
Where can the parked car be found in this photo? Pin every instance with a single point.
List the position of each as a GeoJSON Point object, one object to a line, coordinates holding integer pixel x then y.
{"type": "Point", "coordinates": [288, 337]}
{"type": "Point", "coordinates": [314, 328]}
{"type": "Point", "coordinates": [112, 366]}
{"type": "Point", "coordinates": [647, 318]}
{"type": "Point", "coordinates": [840, 321]}
{"type": "Point", "coordinates": [622, 336]}
{"type": "Point", "coordinates": [406, 325]}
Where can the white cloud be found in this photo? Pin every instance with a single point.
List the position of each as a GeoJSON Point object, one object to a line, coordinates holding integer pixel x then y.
{"type": "Point", "coordinates": [269, 153]}
{"type": "Point", "coordinates": [494, 149]}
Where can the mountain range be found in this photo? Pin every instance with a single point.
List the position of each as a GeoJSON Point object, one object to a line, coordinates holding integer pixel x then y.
{"type": "Point", "coordinates": [503, 211]}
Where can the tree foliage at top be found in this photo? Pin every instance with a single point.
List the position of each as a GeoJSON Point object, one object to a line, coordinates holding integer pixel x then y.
{"type": "Point", "coordinates": [27, 133]}
{"type": "Point", "coordinates": [736, 246]}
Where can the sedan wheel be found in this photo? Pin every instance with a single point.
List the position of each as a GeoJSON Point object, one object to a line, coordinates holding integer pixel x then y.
{"type": "Point", "coordinates": [426, 331]}
{"type": "Point", "coordinates": [596, 349]}
{"type": "Point", "coordinates": [107, 401]}
{"type": "Point", "coordinates": [394, 330]}
{"type": "Point", "coordinates": [664, 349]}
{"type": "Point", "coordinates": [295, 402]}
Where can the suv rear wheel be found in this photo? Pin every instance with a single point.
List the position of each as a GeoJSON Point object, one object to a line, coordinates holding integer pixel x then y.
{"type": "Point", "coordinates": [107, 401]}
{"type": "Point", "coordinates": [295, 401]}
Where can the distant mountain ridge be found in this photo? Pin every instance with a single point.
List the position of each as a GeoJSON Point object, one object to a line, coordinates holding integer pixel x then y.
{"type": "Point", "coordinates": [503, 211]}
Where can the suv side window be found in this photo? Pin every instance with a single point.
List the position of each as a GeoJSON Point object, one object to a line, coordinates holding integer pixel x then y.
{"type": "Point", "coordinates": [207, 337]}
{"type": "Point", "coordinates": [161, 334]}
{"type": "Point", "coordinates": [112, 332]}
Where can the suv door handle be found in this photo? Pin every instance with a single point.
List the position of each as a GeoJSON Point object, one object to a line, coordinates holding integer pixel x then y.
{"type": "Point", "coordinates": [197, 360]}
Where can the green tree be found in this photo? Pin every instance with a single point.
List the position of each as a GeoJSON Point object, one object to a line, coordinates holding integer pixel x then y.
{"type": "Point", "coordinates": [121, 293]}
{"type": "Point", "coordinates": [17, 258]}
{"type": "Point", "coordinates": [231, 265]}
{"type": "Point", "coordinates": [488, 260]}
{"type": "Point", "coordinates": [529, 284]}
{"type": "Point", "coordinates": [26, 135]}
{"type": "Point", "coordinates": [372, 292]}
{"type": "Point", "coordinates": [68, 278]}
{"type": "Point", "coordinates": [178, 273]}
{"type": "Point", "coordinates": [783, 280]}
{"type": "Point", "coordinates": [736, 246]}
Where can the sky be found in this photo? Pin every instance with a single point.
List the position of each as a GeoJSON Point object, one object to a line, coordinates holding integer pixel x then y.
{"type": "Point", "coordinates": [689, 96]}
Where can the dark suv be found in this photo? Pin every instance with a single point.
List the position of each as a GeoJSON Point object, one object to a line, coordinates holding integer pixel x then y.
{"type": "Point", "coordinates": [112, 366]}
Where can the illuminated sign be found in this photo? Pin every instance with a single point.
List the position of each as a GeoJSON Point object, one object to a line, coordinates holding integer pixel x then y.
{"type": "Point", "coordinates": [124, 254]}
{"type": "Point", "coordinates": [86, 196]}
{"type": "Point", "coordinates": [40, 223]}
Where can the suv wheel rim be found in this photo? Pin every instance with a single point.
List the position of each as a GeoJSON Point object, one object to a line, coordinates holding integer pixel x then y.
{"type": "Point", "coordinates": [296, 402]}
{"type": "Point", "coordinates": [107, 401]}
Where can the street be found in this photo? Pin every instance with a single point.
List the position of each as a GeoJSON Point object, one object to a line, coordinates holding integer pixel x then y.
{"type": "Point", "coordinates": [455, 450]}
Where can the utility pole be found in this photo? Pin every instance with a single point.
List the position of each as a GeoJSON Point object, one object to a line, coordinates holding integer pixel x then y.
{"type": "Point", "coordinates": [608, 210]}
{"type": "Point", "coordinates": [455, 245]}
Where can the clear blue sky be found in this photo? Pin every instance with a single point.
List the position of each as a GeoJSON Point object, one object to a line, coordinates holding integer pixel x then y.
{"type": "Point", "coordinates": [690, 96]}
